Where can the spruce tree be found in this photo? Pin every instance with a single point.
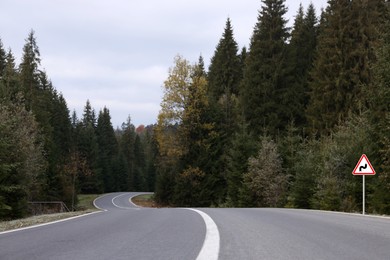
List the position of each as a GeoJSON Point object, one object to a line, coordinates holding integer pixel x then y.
{"type": "Point", "coordinates": [151, 152]}
{"type": "Point", "coordinates": [380, 119]}
{"type": "Point", "coordinates": [108, 150]}
{"type": "Point", "coordinates": [87, 147]}
{"type": "Point", "coordinates": [301, 55]}
{"type": "Point", "coordinates": [126, 144]}
{"type": "Point", "coordinates": [89, 117]}
{"type": "Point", "coordinates": [139, 165]}
{"type": "Point", "coordinates": [342, 70]}
{"type": "Point", "coordinates": [9, 82]}
{"type": "Point", "coordinates": [224, 71]}
{"type": "Point", "coordinates": [22, 160]}
{"type": "Point", "coordinates": [3, 61]}
{"type": "Point", "coordinates": [264, 81]}
{"type": "Point", "coordinates": [29, 69]}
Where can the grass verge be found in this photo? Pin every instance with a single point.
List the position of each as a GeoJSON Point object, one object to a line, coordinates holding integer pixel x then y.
{"type": "Point", "coordinates": [84, 206]}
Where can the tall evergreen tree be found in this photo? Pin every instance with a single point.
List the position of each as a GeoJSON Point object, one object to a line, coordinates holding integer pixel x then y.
{"type": "Point", "coordinates": [224, 71]}
{"type": "Point", "coordinates": [89, 116]}
{"type": "Point", "coordinates": [224, 77]}
{"type": "Point", "coordinates": [9, 82]}
{"type": "Point", "coordinates": [88, 150]}
{"type": "Point", "coordinates": [380, 119]}
{"type": "Point", "coordinates": [139, 165]}
{"type": "Point", "coordinates": [126, 144]}
{"type": "Point", "coordinates": [182, 135]}
{"type": "Point", "coordinates": [29, 69]}
{"type": "Point", "coordinates": [301, 55]}
{"type": "Point", "coordinates": [3, 61]}
{"type": "Point", "coordinates": [108, 150]}
{"type": "Point", "coordinates": [342, 71]}
{"type": "Point", "coordinates": [241, 149]}
{"type": "Point", "coordinates": [151, 153]}
{"type": "Point", "coordinates": [264, 80]}
{"type": "Point", "coordinates": [21, 160]}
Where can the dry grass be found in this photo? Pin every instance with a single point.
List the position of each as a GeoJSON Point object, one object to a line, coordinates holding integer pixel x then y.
{"type": "Point", "coordinates": [145, 200]}
{"type": "Point", "coordinates": [85, 206]}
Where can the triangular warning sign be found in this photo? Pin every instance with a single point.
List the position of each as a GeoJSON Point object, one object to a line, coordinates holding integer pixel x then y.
{"type": "Point", "coordinates": [363, 167]}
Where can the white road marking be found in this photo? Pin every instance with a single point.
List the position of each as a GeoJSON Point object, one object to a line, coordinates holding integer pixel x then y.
{"type": "Point", "coordinates": [94, 202]}
{"type": "Point", "coordinates": [210, 248]}
{"type": "Point", "coordinates": [48, 223]}
{"type": "Point", "coordinates": [120, 207]}
{"type": "Point", "coordinates": [131, 202]}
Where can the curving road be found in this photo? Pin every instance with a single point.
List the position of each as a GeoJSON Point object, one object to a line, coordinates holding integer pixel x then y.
{"type": "Point", "coordinates": [123, 231]}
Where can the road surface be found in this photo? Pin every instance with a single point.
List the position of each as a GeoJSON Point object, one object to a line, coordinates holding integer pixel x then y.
{"type": "Point", "coordinates": [124, 231]}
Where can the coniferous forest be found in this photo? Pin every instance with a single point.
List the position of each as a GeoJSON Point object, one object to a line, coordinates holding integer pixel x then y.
{"type": "Point", "coordinates": [281, 123]}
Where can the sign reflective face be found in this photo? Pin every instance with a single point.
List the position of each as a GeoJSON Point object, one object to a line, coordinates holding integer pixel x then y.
{"type": "Point", "coordinates": [363, 167]}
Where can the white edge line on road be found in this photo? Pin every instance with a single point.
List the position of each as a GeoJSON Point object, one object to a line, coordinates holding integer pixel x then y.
{"type": "Point", "coordinates": [120, 207]}
{"type": "Point", "coordinates": [131, 201]}
{"type": "Point", "coordinates": [210, 248]}
{"type": "Point", "coordinates": [48, 223]}
{"type": "Point", "coordinates": [341, 213]}
{"type": "Point", "coordinates": [94, 202]}
{"type": "Point", "coordinates": [137, 194]}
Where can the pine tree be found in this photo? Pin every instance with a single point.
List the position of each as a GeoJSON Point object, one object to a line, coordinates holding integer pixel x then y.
{"type": "Point", "coordinates": [241, 149]}
{"type": "Point", "coordinates": [342, 71]}
{"type": "Point", "coordinates": [108, 150]}
{"type": "Point", "coordinates": [151, 153]}
{"type": "Point", "coordinates": [89, 116]}
{"type": "Point", "coordinates": [380, 119]}
{"type": "Point", "coordinates": [87, 147]}
{"type": "Point", "coordinates": [126, 144]}
{"type": "Point", "coordinates": [29, 69]}
{"type": "Point", "coordinates": [9, 82]}
{"type": "Point", "coordinates": [139, 165]}
{"type": "Point", "coordinates": [301, 55]}
{"type": "Point", "coordinates": [224, 71]}
{"type": "Point", "coordinates": [21, 160]}
{"type": "Point", "coordinates": [3, 61]}
{"type": "Point", "coordinates": [182, 133]}
{"type": "Point", "coordinates": [264, 83]}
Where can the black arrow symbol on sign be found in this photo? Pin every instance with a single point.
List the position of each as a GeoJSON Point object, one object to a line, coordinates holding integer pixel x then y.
{"type": "Point", "coordinates": [363, 167]}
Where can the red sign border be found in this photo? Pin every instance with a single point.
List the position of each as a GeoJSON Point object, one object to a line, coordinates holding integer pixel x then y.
{"type": "Point", "coordinates": [364, 173]}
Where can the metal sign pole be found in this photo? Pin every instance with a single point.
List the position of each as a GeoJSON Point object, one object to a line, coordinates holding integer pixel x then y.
{"type": "Point", "coordinates": [364, 202]}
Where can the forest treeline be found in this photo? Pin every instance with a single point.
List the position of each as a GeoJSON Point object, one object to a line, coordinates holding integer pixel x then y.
{"type": "Point", "coordinates": [284, 122]}
{"type": "Point", "coordinates": [280, 124]}
{"type": "Point", "coordinates": [46, 154]}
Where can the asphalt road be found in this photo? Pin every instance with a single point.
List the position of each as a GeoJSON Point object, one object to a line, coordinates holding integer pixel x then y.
{"type": "Point", "coordinates": [124, 231]}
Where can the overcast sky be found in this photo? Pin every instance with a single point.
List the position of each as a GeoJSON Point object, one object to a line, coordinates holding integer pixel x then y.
{"type": "Point", "coordinates": [117, 53]}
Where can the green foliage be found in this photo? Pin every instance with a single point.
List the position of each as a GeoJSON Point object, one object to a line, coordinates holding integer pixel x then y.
{"type": "Point", "coordinates": [126, 148]}
{"type": "Point", "coordinates": [184, 131]}
{"type": "Point", "coordinates": [108, 150]}
{"type": "Point", "coordinates": [305, 167]}
{"type": "Point", "coordinates": [380, 120]}
{"type": "Point", "coordinates": [225, 69]}
{"type": "Point", "coordinates": [190, 196]}
{"type": "Point", "coordinates": [2, 59]}
{"type": "Point", "coordinates": [330, 80]}
{"type": "Point", "coordinates": [21, 159]}
{"type": "Point", "coordinates": [243, 146]}
{"type": "Point", "coordinates": [265, 180]}
{"type": "Point", "coordinates": [264, 80]}
{"type": "Point", "coordinates": [301, 52]}
{"type": "Point", "coordinates": [342, 71]}
{"type": "Point", "coordinates": [324, 167]}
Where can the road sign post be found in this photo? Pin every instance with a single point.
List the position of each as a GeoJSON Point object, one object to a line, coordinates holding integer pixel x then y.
{"type": "Point", "coordinates": [364, 195]}
{"type": "Point", "coordinates": [364, 167]}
